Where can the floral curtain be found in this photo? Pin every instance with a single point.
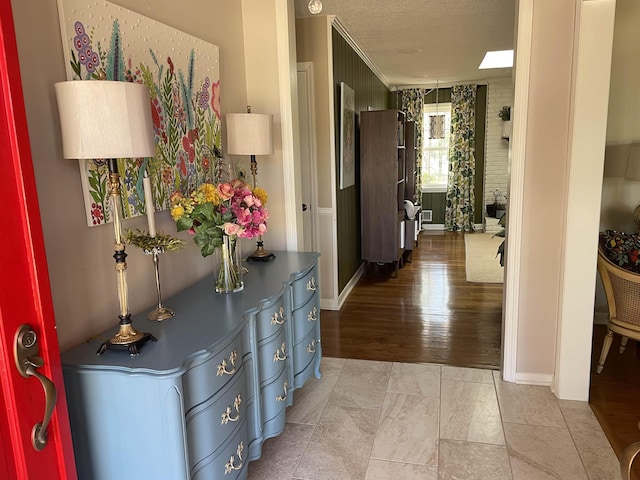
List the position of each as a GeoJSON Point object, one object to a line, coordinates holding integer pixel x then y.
{"type": "Point", "coordinates": [411, 102]}
{"type": "Point", "coordinates": [462, 163]}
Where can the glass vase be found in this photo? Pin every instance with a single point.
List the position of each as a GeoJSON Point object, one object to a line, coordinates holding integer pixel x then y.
{"type": "Point", "coordinates": [229, 276]}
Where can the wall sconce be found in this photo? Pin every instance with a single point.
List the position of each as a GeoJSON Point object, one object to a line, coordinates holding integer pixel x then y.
{"type": "Point", "coordinates": [250, 134]}
{"type": "Point", "coordinates": [102, 119]}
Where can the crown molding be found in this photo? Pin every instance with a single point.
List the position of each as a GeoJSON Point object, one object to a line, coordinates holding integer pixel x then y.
{"type": "Point", "coordinates": [341, 29]}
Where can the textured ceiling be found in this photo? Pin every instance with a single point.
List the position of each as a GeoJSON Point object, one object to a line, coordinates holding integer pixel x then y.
{"type": "Point", "coordinates": [452, 36]}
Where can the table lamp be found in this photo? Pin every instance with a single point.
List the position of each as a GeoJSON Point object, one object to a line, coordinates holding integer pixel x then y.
{"type": "Point", "coordinates": [102, 119]}
{"type": "Point", "coordinates": [250, 134]}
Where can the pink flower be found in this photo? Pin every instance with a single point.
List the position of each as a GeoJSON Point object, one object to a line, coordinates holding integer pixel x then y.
{"type": "Point", "coordinates": [231, 228]}
{"type": "Point", "coordinates": [250, 201]}
{"type": "Point", "coordinates": [225, 191]}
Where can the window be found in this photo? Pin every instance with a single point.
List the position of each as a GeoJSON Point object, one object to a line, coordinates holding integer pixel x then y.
{"type": "Point", "coordinates": [435, 146]}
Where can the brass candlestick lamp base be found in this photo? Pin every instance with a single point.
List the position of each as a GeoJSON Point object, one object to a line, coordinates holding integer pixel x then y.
{"type": "Point", "coordinates": [261, 254]}
{"type": "Point", "coordinates": [127, 338]}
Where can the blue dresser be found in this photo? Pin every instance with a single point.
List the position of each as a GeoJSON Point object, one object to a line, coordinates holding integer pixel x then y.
{"type": "Point", "coordinates": [198, 403]}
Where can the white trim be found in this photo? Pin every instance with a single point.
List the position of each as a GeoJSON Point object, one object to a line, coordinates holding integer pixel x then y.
{"type": "Point", "coordinates": [332, 155]}
{"type": "Point", "coordinates": [346, 291]}
{"type": "Point", "coordinates": [451, 84]}
{"type": "Point", "coordinates": [434, 189]}
{"type": "Point", "coordinates": [341, 29]}
{"type": "Point", "coordinates": [517, 149]}
{"type": "Point", "coordinates": [591, 75]}
{"type": "Point", "coordinates": [307, 68]}
{"type": "Point", "coordinates": [288, 89]}
{"type": "Point", "coordinates": [541, 379]}
{"type": "Point", "coordinates": [433, 226]}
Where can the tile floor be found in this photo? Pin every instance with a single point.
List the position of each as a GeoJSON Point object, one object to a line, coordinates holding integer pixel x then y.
{"type": "Point", "coordinates": [367, 420]}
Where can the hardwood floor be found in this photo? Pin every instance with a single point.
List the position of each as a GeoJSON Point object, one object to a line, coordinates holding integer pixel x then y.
{"type": "Point", "coordinates": [429, 313]}
{"type": "Point", "coordinates": [614, 395]}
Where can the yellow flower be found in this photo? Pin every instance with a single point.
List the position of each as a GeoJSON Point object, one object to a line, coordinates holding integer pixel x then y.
{"type": "Point", "coordinates": [261, 194]}
{"type": "Point", "coordinates": [177, 212]}
{"type": "Point", "coordinates": [206, 193]}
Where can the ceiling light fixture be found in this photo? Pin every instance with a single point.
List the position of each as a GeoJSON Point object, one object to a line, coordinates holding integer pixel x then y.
{"type": "Point", "coordinates": [497, 59]}
{"type": "Point", "coordinates": [315, 6]}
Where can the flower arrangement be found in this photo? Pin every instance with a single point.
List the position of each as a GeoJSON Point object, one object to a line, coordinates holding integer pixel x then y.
{"type": "Point", "coordinates": [228, 208]}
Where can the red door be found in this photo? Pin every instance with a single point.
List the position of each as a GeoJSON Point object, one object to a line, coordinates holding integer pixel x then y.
{"type": "Point", "coordinates": [25, 295]}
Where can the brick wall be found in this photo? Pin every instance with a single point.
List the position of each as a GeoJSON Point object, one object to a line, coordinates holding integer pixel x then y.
{"type": "Point", "coordinates": [499, 93]}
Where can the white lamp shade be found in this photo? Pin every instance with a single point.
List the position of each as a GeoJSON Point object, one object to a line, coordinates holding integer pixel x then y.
{"type": "Point", "coordinates": [633, 163]}
{"type": "Point", "coordinates": [105, 119]}
{"type": "Point", "coordinates": [249, 134]}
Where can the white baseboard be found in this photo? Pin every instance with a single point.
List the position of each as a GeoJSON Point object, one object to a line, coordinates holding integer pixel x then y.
{"type": "Point", "coordinates": [332, 304]}
{"type": "Point", "coordinates": [432, 226]}
{"type": "Point", "coordinates": [541, 379]}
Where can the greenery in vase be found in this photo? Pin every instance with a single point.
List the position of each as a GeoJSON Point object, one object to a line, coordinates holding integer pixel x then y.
{"type": "Point", "coordinates": [141, 239]}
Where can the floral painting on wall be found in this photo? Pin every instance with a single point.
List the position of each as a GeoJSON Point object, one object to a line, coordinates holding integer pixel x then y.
{"type": "Point", "coordinates": [105, 41]}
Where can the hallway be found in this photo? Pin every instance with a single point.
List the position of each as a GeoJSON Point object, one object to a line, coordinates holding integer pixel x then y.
{"type": "Point", "coordinates": [429, 314]}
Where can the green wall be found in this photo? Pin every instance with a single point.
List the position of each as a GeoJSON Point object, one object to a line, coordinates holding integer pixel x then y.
{"type": "Point", "coordinates": [349, 68]}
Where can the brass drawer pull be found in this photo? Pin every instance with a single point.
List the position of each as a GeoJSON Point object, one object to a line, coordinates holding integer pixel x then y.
{"type": "Point", "coordinates": [230, 465]}
{"type": "Point", "coordinates": [226, 415]}
{"type": "Point", "coordinates": [280, 353]}
{"type": "Point", "coordinates": [313, 315]}
{"type": "Point", "coordinates": [222, 367]}
{"type": "Point", "coordinates": [311, 285]}
{"type": "Point", "coordinates": [311, 348]}
{"type": "Point", "coordinates": [282, 398]}
{"type": "Point", "coordinates": [278, 317]}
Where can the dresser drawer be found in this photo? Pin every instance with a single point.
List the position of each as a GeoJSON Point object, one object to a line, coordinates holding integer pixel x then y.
{"type": "Point", "coordinates": [206, 375]}
{"type": "Point", "coordinates": [305, 287]}
{"type": "Point", "coordinates": [274, 397]}
{"type": "Point", "coordinates": [305, 318]}
{"type": "Point", "coordinates": [229, 463]}
{"type": "Point", "coordinates": [272, 356]}
{"type": "Point", "coordinates": [210, 424]}
{"type": "Point", "coordinates": [275, 426]}
{"type": "Point", "coordinates": [305, 351]}
{"type": "Point", "coordinates": [271, 317]}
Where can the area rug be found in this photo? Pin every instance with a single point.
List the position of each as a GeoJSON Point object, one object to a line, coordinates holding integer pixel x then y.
{"type": "Point", "coordinates": [482, 264]}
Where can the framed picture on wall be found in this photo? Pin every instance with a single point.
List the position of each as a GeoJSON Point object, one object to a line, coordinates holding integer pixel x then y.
{"type": "Point", "coordinates": [103, 40]}
{"type": "Point", "coordinates": [347, 136]}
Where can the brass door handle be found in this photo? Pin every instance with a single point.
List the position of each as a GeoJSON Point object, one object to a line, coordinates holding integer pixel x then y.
{"type": "Point", "coordinates": [27, 362]}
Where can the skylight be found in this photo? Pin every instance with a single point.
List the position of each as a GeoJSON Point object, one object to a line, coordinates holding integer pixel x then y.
{"type": "Point", "coordinates": [497, 59]}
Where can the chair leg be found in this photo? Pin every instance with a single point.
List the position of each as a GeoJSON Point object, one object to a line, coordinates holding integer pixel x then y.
{"type": "Point", "coordinates": [623, 344]}
{"type": "Point", "coordinates": [605, 351]}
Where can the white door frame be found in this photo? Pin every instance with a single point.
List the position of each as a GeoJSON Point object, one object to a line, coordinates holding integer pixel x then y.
{"type": "Point", "coordinates": [592, 58]}
{"type": "Point", "coordinates": [305, 83]}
